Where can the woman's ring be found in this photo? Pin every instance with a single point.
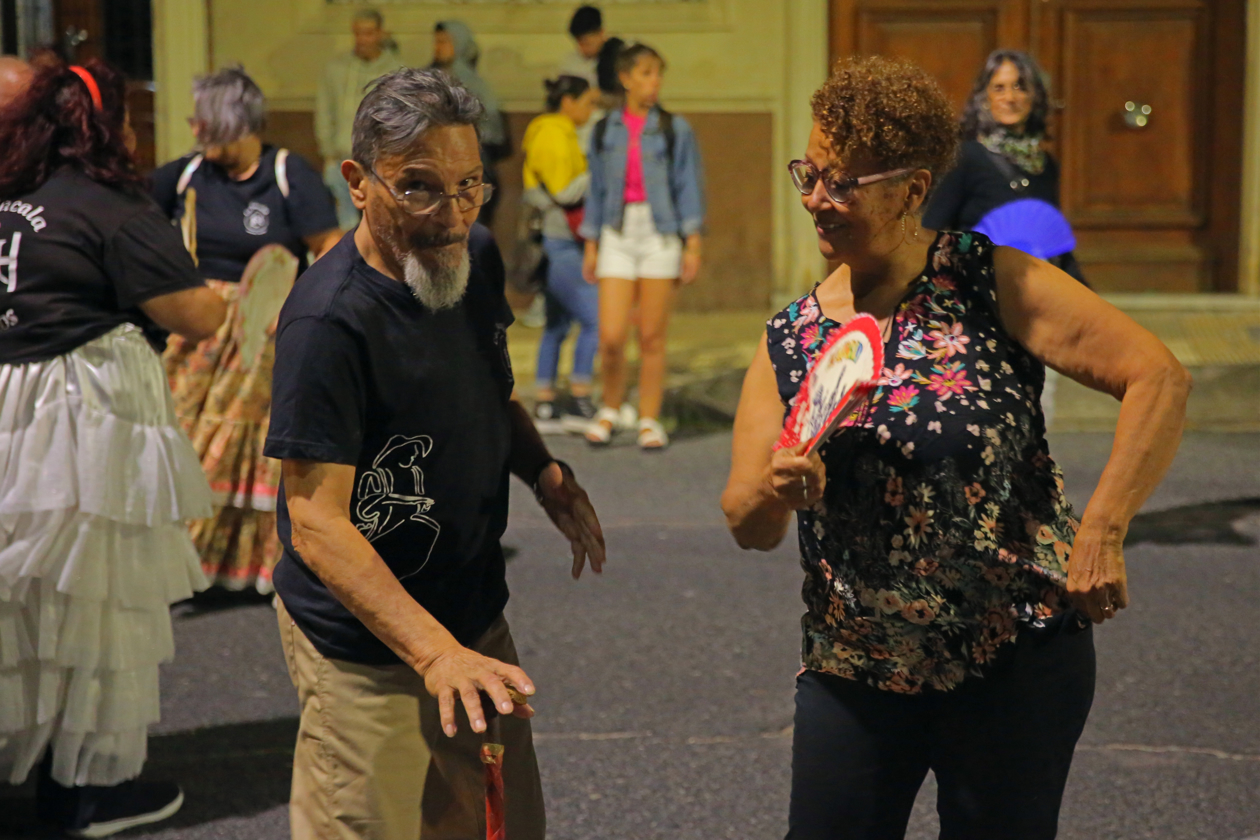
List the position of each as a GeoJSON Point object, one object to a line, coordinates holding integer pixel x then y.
{"type": "Point", "coordinates": [805, 486]}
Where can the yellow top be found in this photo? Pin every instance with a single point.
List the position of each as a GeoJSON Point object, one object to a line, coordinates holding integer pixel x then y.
{"type": "Point", "coordinates": [553, 156]}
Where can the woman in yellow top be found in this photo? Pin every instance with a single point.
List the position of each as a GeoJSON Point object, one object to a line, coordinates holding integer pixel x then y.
{"type": "Point", "coordinates": [555, 182]}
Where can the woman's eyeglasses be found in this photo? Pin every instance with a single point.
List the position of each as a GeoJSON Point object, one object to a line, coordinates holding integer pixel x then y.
{"type": "Point", "coordinates": [425, 202]}
{"type": "Point", "coordinates": [840, 190]}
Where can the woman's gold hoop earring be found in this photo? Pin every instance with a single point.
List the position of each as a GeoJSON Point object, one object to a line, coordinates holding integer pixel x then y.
{"type": "Point", "coordinates": [903, 223]}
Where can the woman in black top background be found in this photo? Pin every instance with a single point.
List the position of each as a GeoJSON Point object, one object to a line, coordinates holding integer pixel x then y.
{"type": "Point", "coordinates": [1001, 158]}
{"type": "Point", "coordinates": [96, 479]}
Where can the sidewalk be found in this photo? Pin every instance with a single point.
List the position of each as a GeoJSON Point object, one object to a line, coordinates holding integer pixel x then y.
{"type": "Point", "coordinates": [1216, 336]}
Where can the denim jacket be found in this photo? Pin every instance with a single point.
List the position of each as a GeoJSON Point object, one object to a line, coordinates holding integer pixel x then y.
{"type": "Point", "coordinates": [675, 194]}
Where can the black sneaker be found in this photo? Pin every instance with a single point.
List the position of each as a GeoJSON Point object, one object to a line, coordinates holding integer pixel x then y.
{"type": "Point", "coordinates": [579, 415]}
{"type": "Point", "coordinates": [132, 804]}
{"type": "Point", "coordinates": [104, 811]}
{"type": "Point", "coordinates": [547, 418]}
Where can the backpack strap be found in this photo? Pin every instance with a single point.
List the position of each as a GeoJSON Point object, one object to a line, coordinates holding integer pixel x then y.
{"type": "Point", "coordinates": [601, 129]}
{"type": "Point", "coordinates": [671, 137]}
{"type": "Point", "coordinates": [186, 176]}
{"type": "Point", "coordinates": [282, 171]}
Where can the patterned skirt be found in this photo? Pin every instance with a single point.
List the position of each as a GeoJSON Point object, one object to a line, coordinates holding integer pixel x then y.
{"type": "Point", "coordinates": [96, 483]}
{"type": "Point", "coordinates": [224, 404]}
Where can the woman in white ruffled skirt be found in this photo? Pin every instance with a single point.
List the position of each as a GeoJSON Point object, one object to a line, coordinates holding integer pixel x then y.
{"type": "Point", "coordinates": [96, 478]}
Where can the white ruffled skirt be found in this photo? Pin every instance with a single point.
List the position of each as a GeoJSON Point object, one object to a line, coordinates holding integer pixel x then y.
{"type": "Point", "coordinates": [96, 481]}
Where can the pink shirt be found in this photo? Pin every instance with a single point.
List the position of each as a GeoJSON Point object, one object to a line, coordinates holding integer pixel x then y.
{"type": "Point", "coordinates": [635, 190]}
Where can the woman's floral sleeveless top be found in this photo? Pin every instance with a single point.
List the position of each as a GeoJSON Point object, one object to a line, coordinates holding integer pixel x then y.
{"type": "Point", "coordinates": [944, 524]}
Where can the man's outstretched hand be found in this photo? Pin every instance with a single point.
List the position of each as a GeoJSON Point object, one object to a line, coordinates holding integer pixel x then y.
{"type": "Point", "coordinates": [570, 509]}
{"type": "Point", "coordinates": [459, 675]}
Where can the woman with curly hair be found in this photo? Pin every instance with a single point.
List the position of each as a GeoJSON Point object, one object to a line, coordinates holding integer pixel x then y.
{"type": "Point", "coordinates": [96, 478]}
{"type": "Point", "coordinates": [949, 586]}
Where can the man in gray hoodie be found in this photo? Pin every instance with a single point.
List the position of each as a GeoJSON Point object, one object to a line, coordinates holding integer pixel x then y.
{"type": "Point", "coordinates": [345, 81]}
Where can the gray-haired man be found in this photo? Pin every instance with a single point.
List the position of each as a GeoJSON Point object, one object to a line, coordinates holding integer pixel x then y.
{"type": "Point", "coordinates": [392, 413]}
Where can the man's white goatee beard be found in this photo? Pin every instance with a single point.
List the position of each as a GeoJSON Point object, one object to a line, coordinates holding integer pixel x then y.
{"type": "Point", "coordinates": [440, 287]}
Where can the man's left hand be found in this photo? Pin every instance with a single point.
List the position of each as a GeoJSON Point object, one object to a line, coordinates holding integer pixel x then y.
{"type": "Point", "coordinates": [570, 509]}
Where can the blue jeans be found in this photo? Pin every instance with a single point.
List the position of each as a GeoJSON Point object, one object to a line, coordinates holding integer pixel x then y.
{"type": "Point", "coordinates": [569, 299]}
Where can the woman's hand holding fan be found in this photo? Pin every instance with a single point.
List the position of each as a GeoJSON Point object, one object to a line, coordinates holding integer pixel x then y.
{"type": "Point", "coordinates": [843, 374]}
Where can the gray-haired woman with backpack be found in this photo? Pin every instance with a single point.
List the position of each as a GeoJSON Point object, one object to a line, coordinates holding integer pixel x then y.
{"type": "Point", "coordinates": [233, 198]}
{"type": "Point", "coordinates": [646, 198]}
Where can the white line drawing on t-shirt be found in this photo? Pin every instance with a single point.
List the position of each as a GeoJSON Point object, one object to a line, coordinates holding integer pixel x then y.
{"type": "Point", "coordinates": [392, 494]}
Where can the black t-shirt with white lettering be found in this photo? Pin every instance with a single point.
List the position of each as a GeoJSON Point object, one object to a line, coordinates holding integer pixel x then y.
{"type": "Point", "coordinates": [236, 218]}
{"type": "Point", "coordinates": [416, 401]}
{"type": "Point", "coordinates": [77, 258]}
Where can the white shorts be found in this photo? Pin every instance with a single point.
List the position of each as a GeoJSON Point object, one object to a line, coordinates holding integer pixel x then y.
{"type": "Point", "coordinates": [638, 251]}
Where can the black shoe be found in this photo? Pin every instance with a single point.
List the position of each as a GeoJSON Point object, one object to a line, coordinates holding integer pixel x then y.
{"type": "Point", "coordinates": [547, 418]}
{"type": "Point", "coordinates": [579, 415]}
{"type": "Point", "coordinates": [129, 805]}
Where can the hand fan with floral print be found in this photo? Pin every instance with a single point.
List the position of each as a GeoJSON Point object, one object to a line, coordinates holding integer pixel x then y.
{"type": "Point", "coordinates": [265, 284]}
{"type": "Point", "coordinates": [844, 372]}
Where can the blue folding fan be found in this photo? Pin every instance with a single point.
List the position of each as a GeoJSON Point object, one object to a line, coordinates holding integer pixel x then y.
{"type": "Point", "coordinates": [1031, 225]}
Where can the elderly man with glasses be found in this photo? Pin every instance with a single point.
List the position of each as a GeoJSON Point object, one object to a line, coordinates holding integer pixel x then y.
{"type": "Point", "coordinates": [392, 414]}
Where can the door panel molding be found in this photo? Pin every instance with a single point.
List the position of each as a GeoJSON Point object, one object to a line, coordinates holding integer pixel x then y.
{"type": "Point", "coordinates": [1153, 55]}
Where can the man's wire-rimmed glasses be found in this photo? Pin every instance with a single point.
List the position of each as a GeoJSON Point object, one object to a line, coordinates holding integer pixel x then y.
{"type": "Point", "coordinates": [425, 202]}
{"type": "Point", "coordinates": [840, 190]}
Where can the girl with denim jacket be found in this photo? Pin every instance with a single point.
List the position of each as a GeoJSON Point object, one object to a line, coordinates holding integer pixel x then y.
{"type": "Point", "coordinates": [642, 226]}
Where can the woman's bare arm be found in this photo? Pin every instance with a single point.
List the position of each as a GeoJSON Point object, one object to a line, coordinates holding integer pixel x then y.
{"type": "Point", "coordinates": [318, 498]}
{"type": "Point", "coordinates": [193, 313]}
{"type": "Point", "coordinates": [1080, 335]}
{"type": "Point", "coordinates": [765, 486]}
{"type": "Point", "coordinates": [319, 243]}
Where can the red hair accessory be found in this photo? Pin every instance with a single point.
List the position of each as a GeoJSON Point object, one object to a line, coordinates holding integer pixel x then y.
{"type": "Point", "coordinates": [93, 88]}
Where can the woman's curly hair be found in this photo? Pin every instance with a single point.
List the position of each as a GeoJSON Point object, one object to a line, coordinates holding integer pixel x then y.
{"type": "Point", "coordinates": [889, 109]}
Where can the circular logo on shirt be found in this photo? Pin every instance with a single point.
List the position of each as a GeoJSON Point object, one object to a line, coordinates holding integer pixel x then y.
{"type": "Point", "coordinates": [257, 218]}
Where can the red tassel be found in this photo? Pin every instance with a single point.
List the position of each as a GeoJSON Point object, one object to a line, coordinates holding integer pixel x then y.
{"type": "Point", "coordinates": [496, 814]}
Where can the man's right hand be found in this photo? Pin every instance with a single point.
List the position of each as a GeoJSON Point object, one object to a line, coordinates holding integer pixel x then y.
{"type": "Point", "coordinates": [463, 673]}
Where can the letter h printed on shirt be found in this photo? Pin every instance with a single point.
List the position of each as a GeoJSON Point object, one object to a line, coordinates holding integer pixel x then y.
{"type": "Point", "coordinates": [9, 262]}
{"type": "Point", "coordinates": [391, 494]}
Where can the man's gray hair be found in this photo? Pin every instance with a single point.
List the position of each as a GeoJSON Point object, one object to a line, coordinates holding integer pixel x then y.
{"type": "Point", "coordinates": [369, 16]}
{"type": "Point", "coordinates": [229, 104]}
{"type": "Point", "coordinates": [405, 104]}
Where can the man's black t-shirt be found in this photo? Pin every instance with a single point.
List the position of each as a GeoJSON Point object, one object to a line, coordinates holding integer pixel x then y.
{"type": "Point", "coordinates": [417, 401]}
{"type": "Point", "coordinates": [77, 258]}
{"type": "Point", "coordinates": [236, 218]}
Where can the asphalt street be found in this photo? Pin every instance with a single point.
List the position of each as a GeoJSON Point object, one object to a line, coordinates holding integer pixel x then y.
{"type": "Point", "coordinates": [665, 686]}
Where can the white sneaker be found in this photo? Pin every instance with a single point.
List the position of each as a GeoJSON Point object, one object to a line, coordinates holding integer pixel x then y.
{"type": "Point", "coordinates": [601, 429]}
{"type": "Point", "coordinates": [627, 417]}
{"type": "Point", "coordinates": [547, 418]}
{"type": "Point", "coordinates": [652, 436]}
{"type": "Point", "coordinates": [536, 315]}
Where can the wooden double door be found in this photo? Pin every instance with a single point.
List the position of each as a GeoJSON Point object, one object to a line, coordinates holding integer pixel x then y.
{"type": "Point", "coordinates": [1154, 201]}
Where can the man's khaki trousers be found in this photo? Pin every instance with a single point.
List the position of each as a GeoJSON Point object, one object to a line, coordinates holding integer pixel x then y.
{"type": "Point", "coordinates": [372, 762]}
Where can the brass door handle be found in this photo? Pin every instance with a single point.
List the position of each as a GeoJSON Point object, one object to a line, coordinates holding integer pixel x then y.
{"type": "Point", "coordinates": [1136, 114]}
